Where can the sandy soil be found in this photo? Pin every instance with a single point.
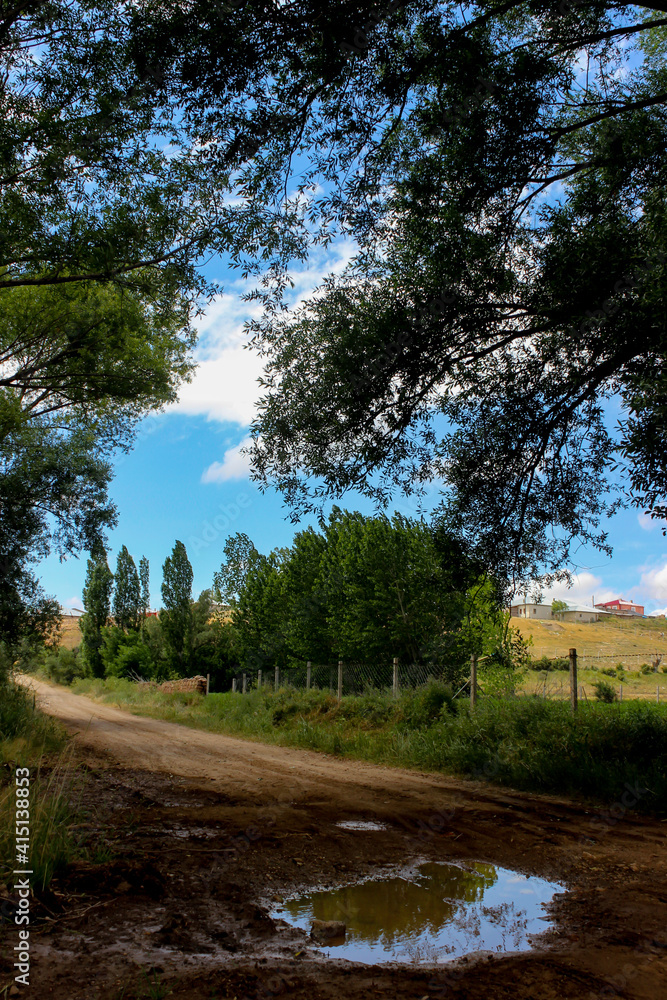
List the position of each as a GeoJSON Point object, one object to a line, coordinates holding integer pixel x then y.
{"type": "Point", "coordinates": [207, 830]}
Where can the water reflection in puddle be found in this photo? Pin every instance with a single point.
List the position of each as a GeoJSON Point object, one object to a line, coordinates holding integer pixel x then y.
{"type": "Point", "coordinates": [361, 824]}
{"type": "Point", "coordinates": [431, 913]}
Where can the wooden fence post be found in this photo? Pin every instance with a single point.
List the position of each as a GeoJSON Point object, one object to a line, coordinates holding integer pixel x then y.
{"type": "Point", "coordinates": [233, 683]}
{"type": "Point", "coordinates": [394, 686]}
{"type": "Point", "coordinates": [573, 680]}
{"type": "Point", "coordinates": [244, 689]}
{"type": "Point", "coordinates": [208, 682]}
{"type": "Point", "coordinates": [277, 678]}
{"type": "Point", "coordinates": [308, 672]}
{"type": "Point", "coordinates": [340, 679]}
{"type": "Point", "coordinates": [259, 679]}
{"type": "Point", "coordinates": [473, 680]}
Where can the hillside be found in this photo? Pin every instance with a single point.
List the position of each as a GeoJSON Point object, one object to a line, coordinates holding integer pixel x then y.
{"type": "Point", "coordinates": [71, 633]}
{"type": "Point", "coordinates": [628, 640]}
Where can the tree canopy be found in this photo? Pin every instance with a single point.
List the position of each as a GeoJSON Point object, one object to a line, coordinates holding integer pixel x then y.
{"type": "Point", "coordinates": [366, 589]}
{"type": "Point", "coordinates": [501, 168]}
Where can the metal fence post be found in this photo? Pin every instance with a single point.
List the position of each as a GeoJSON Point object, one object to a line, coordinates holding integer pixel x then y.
{"type": "Point", "coordinates": [573, 680]}
{"type": "Point", "coordinates": [277, 678]}
{"type": "Point", "coordinates": [395, 680]}
{"type": "Point", "coordinates": [473, 680]}
{"type": "Point", "coordinates": [259, 679]}
{"type": "Point", "coordinates": [308, 670]}
{"type": "Point", "coordinates": [340, 679]}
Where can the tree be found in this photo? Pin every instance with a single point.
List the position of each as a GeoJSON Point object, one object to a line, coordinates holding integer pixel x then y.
{"type": "Point", "coordinates": [511, 270]}
{"type": "Point", "coordinates": [558, 606]}
{"type": "Point", "coordinates": [144, 577]}
{"type": "Point", "coordinates": [127, 593]}
{"type": "Point", "coordinates": [230, 579]}
{"type": "Point", "coordinates": [368, 589]}
{"type": "Point", "coordinates": [176, 617]}
{"type": "Point", "coordinates": [97, 604]}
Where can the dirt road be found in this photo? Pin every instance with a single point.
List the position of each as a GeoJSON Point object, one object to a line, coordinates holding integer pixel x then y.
{"type": "Point", "coordinates": [204, 830]}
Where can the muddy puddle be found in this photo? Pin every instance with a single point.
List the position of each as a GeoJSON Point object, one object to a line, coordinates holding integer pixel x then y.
{"type": "Point", "coordinates": [361, 824]}
{"type": "Point", "coordinates": [429, 913]}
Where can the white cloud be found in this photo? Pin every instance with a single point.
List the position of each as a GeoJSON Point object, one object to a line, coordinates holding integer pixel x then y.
{"type": "Point", "coordinates": [654, 582]}
{"type": "Point", "coordinates": [225, 384]}
{"type": "Point", "coordinates": [234, 465]}
{"type": "Point", "coordinates": [648, 523]}
{"type": "Point", "coordinates": [660, 611]}
{"type": "Point", "coordinates": [584, 587]}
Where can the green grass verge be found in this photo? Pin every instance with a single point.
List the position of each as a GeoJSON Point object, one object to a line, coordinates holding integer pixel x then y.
{"type": "Point", "coordinates": [33, 740]}
{"type": "Point", "coordinates": [528, 743]}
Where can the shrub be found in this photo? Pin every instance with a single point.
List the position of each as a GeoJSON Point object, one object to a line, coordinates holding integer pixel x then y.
{"type": "Point", "coordinates": [608, 671]}
{"type": "Point", "coordinates": [547, 663]}
{"type": "Point", "coordinates": [604, 691]}
{"type": "Point", "coordinates": [646, 668]}
{"type": "Point", "coordinates": [422, 707]}
{"type": "Point", "coordinates": [64, 665]}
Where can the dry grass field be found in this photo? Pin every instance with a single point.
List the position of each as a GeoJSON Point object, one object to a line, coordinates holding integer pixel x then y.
{"type": "Point", "coordinates": [71, 633]}
{"type": "Point", "coordinates": [625, 640]}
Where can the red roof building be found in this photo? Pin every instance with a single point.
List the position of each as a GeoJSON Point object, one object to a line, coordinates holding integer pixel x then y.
{"type": "Point", "coordinates": [620, 606]}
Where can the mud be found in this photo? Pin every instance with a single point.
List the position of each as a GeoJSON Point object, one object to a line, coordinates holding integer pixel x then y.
{"type": "Point", "coordinates": [206, 834]}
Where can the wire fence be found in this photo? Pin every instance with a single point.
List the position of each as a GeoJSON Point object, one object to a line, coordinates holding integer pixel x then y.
{"type": "Point", "coordinates": [344, 678]}
{"type": "Point", "coordinates": [546, 680]}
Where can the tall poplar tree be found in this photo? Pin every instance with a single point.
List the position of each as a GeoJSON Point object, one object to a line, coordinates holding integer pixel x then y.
{"type": "Point", "coordinates": [144, 577]}
{"type": "Point", "coordinates": [97, 602]}
{"type": "Point", "coordinates": [127, 592]}
{"type": "Point", "coordinates": [176, 617]}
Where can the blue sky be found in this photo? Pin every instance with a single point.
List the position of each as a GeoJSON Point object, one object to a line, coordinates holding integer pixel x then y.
{"type": "Point", "coordinates": [186, 479]}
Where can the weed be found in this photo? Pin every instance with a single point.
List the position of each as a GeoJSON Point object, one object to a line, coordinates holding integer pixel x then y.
{"type": "Point", "coordinates": [152, 988]}
{"type": "Point", "coordinates": [604, 691]}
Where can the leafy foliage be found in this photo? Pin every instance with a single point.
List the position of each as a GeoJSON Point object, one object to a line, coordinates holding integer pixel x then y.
{"type": "Point", "coordinates": [127, 592]}
{"type": "Point", "coordinates": [366, 589]}
{"type": "Point", "coordinates": [97, 604]}
{"type": "Point", "coordinates": [176, 619]}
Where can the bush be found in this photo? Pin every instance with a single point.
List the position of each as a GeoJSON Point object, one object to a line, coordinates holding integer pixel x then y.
{"type": "Point", "coordinates": [546, 663]}
{"type": "Point", "coordinates": [425, 705]}
{"type": "Point", "coordinates": [604, 691]}
{"type": "Point", "coordinates": [646, 668]}
{"type": "Point", "coordinates": [608, 671]}
{"type": "Point", "coordinates": [64, 665]}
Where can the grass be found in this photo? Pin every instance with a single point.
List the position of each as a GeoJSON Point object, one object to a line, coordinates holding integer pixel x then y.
{"type": "Point", "coordinates": [636, 685]}
{"type": "Point", "coordinates": [614, 638]}
{"type": "Point", "coordinates": [528, 743]}
{"type": "Point", "coordinates": [33, 740]}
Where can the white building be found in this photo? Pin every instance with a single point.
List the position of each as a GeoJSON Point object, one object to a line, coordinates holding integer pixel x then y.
{"type": "Point", "coordinates": [534, 612]}
{"type": "Point", "coordinates": [580, 613]}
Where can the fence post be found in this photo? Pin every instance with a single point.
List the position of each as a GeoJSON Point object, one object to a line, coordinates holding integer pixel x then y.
{"type": "Point", "coordinates": [259, 679]}
{"type": "Point", "coordinates": [394, 685]}
{"type": "Point", "coordinates": [208, 682]}
{"type": "Point", "coordinates": [657, 694]}
{"type": "Point", "coordinates": [233, 683]}
{"type": "Point", "coordinates": [573, 680]}
{"type": "Point", "coordinates": [621, 693]}
{"type": "Point", "coordinates": [244, 684]}
{"type": "Point", "coordinates": [277, 678]}
{"type": "Point", "coordinates": [473, 680]}
{"type": "Point", "coordinates": [308, 671]}
{"type": "Point", "coordinates": [340, 679]}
